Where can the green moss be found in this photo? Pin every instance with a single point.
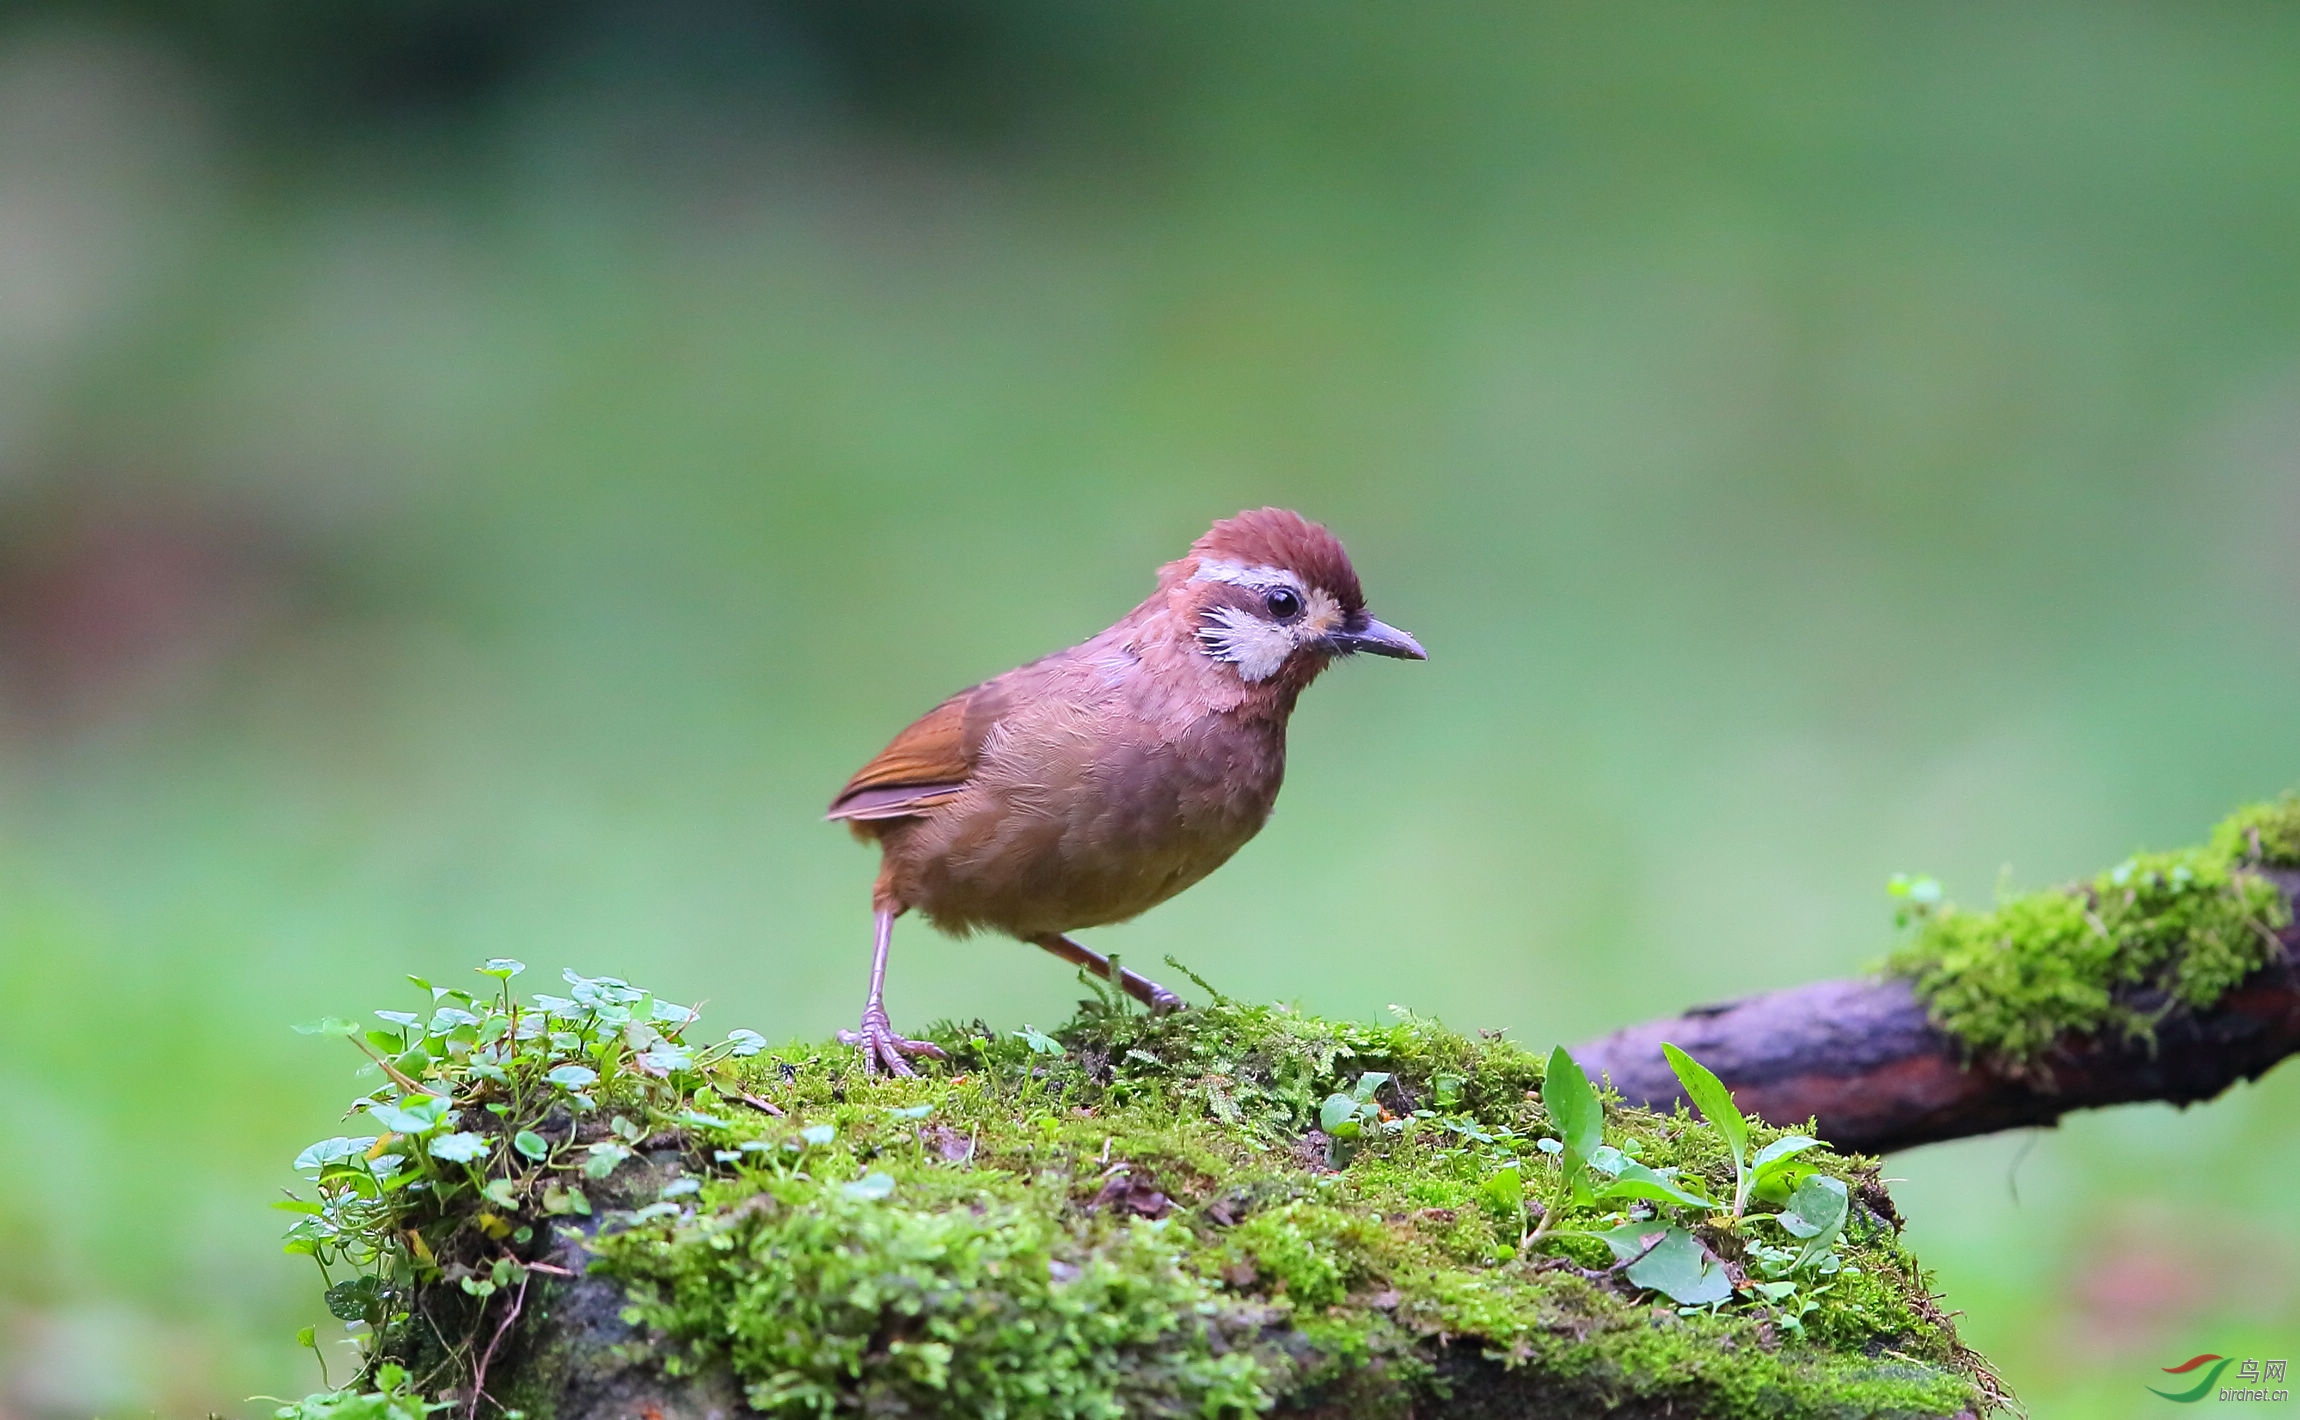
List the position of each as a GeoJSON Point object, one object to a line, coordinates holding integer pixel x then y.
{"type": "Point", "coordinates": [2264, 834]}
{"type": "Point", "coordinates": [1147, 1223]}
{"type": "Point", "coordinates": [820, 1299]}
{"type": "Point", "coordinates": [1135, 1216]}
{"type": "Point", "coordinates": [2157, 932]}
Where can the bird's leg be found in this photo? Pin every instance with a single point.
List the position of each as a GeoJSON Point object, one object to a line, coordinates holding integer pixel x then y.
{"type": "Point", "coordinates": [880, 1045]}
{"type": "Point", "coordinates": [1141, 988]}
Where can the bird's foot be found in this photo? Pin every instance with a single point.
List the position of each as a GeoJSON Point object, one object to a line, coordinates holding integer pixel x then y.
{"type": "Point", "coordinates": [882, 1048]}
{"type": "Point", "coordinates": [1163, 1002]}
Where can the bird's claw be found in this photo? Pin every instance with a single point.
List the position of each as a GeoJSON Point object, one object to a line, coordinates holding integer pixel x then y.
{"type": "Point", "coordinates": [1164, 1002]}
{"type": "Point", "coordinates": [882, 1048]}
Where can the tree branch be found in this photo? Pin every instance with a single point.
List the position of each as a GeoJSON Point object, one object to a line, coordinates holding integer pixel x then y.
{"type": "Point", "coordinates": [1860, 1058]}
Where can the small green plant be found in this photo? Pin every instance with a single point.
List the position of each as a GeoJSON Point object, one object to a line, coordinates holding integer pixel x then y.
{"type": "Point", "coordinates": [489, 1112]}
{"type": "Point", "coordinates": [1345, 1118]}
{"type": "Point", "coordinates": [1655, 1252]}
{"type": "Point", "coordinates": [391, 1397]}
{"type": "Point", "coordinates": [1581, 1151]}
{"type": "Point", "coordinates": [1751, 1173]}
{"type": "Point", "coordinates": [1814, 1218]}
{"type": "Point", "coordinates": [1914, 898]}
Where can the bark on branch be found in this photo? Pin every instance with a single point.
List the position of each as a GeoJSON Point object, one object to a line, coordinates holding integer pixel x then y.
{"type": "Point", "coordinates": [1861, 1059]}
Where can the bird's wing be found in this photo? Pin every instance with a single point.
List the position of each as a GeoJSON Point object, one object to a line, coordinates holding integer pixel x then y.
{"type": "Point", "coordinates": [926, 765]}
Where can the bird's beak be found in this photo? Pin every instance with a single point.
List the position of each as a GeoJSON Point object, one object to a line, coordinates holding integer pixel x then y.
{"type": "Point", "coordinates": [1376, 638]}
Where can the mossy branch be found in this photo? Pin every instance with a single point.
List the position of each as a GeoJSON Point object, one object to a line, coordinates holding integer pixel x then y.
{"type": "Point", "coordinates": [2169, 977]}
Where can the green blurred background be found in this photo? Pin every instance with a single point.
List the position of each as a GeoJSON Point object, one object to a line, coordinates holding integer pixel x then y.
{"type": "Point", "coordinates": [475, 477]}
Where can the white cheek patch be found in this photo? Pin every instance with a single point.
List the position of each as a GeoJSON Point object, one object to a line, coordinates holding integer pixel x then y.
{"type": "Point", "coordinates": [1256, 647]}
{"type": "Point", "coordinates": [1254, 644]}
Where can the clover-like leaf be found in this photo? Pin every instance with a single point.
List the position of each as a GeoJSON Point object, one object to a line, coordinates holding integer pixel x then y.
{"type": "Point", "coordinates": [571, 1077]}
{"type": "Point", "coordinates": [602, 1158]}
{"type": "Point", "coordinates": [870, 1188]}
{"type": "Point", "coordinates": [1818, 1204]}
{"type": "Point", "coordinates": [663, 1058]}
{"type": "Point", "coordinates": [745, 1042]}
{"type": "Point", "coordinates": [415, 1114]}
{"type": "Point", "coordinates": [305, 1235]}
{"type": "Point", "coordinates": [559, 1201]}
{"type": "Point", "coordinates": [532, 1145]}
{"type": "Point", "coordinates": [673, 1014]}
{"type": "Point", "coordinates": [601, 990]}
{"type": "Point", "coordinates": [1630, 1240]}
{"type": "Point", "coordinates": [333, 1151]}
{"type": "Point", "coordinates": [460, 1148]}
{"type": "Point", "coordinates": [1817, 1214]}
{"type": "Point", "coordinates": [1684, 1271]}
{"type": "Point", "coordinates": [356, 1299]}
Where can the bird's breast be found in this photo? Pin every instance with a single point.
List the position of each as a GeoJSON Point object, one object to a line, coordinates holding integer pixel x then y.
{"type": "Point", "coordinates": [1076, 818]}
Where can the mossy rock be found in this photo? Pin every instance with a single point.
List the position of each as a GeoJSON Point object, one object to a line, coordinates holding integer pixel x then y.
{"type": "Point", "coordinates": [1232, 1210]}
{"type": "Point", "coordinates": [1141, 1216]}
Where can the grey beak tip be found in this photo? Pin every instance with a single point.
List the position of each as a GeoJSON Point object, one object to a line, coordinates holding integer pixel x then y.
{"type": "Point", "coordinates": [1381, 639]}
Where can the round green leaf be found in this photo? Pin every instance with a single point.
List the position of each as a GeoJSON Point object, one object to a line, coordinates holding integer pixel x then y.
{"type": "Point", "coordinates": [460, 1148]}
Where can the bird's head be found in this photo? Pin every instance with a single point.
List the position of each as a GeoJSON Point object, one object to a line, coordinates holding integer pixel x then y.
{"type": "Point", "coordinates": [1273, 596]}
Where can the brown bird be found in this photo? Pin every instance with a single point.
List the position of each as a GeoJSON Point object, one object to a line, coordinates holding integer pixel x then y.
{"type": "Point", "coordinates": [1087, 787]}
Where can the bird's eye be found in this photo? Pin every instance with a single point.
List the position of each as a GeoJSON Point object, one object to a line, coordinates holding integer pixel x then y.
{"type": "Point", "coordinates": [1283, 604]}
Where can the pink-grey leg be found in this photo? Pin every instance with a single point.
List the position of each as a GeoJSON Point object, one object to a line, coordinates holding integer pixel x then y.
{"type": "Point", "coordinates": [881, 1047]}
{"type": "Point", "coordinates": [1141, 988]}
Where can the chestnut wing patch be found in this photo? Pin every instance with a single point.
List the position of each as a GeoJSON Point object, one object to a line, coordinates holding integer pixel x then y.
{"type": "Point", "coordinates": [926, 765]}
